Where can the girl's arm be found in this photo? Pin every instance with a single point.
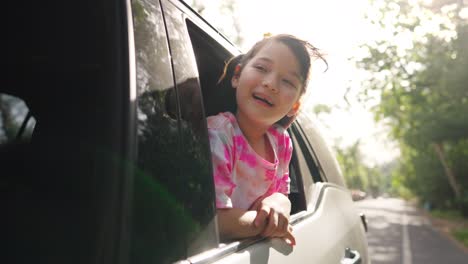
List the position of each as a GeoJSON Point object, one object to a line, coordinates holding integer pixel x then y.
{"type": "Point", "coordinates": [235, 223]}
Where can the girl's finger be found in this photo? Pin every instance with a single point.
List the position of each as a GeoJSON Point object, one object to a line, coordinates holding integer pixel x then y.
{"type": "Point", "coordinates": [272, 224]}
{"type": "Point", "coordinates": [256, 204]}
{"type": "Point", "coordinates": [282, 228]}
{"type": "Point", "coordinates": [262, 215]}
{"type": "Point", "coordinates": [290, 239]}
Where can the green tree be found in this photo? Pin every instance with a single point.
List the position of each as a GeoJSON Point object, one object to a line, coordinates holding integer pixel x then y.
{"type": "Point", "coordinates": [227, 8]}
{"type": "Point", "coordinates": [418, 68]}
{"type": "Point", "coordinates": [357, 174]}
{"type": "Point", "coordinates": [350, 160]}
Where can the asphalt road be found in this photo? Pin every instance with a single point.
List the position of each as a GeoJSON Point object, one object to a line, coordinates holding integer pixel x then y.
{"type": "Point", "coordinates": [399, 234]}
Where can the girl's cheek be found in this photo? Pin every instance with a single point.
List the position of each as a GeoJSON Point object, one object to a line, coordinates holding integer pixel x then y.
{"type": "Point", "coordinates": [291, 95]}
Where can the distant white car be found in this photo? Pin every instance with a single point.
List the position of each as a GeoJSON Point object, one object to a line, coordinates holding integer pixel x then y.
{"type": "Point", "coordinates": [358, 195]}
{"type": "Point", "coordinates": [104, 149]}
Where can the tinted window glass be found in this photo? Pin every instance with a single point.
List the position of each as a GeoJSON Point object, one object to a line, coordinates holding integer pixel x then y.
{"type": "Point", "coordinates": [297, 191]}
{"type": "Point", "coordinates": [160, 222]}
{"type": "Point", "coordinates": [303, 165]}
{"type": "Point", "coordinates": [211, 57]}
{"type": "Point", "coordinates": [194, 161]}
{"type": "Point", "coordinates": [13, 113]}
{"type": "Point", "coordinates": [306, 152]}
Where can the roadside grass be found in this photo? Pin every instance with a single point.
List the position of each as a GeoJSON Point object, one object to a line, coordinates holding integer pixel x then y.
{"type": "Point", "coordinates": [452, 223]}
{"type": "Point", "coordinates": [461, 234]}
{"type": "Point", "coordinates": [452, 215]}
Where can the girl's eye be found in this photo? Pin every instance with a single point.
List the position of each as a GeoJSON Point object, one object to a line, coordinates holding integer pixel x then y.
{"type": "Point", "coordinates": [289, 83]}
{"type": "Point", "coordinates": [260, 68]}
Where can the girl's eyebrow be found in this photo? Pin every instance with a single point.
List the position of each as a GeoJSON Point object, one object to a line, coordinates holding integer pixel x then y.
{"type": "Point", "coordinates": [295, 74]}
{"type": "Point", "coordinates": [265, 59]}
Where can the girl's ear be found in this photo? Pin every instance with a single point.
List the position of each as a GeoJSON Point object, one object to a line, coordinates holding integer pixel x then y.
{"type": "Point", "coordinates": [294, 109]}
{"type": "Point", "coordinates": [235, 81]}
{"type": "Point", "coordinates": [235, 76]}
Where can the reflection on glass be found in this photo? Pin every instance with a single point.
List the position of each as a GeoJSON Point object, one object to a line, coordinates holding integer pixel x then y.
{"type": "Point", "coordinates": [160, 223]}
{"type": "Point", "coordinates": [195, 163]}
{"type": "Point", "coordinates": [13, 112]}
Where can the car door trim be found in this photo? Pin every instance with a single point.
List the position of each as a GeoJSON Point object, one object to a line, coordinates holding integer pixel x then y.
{"type": "Point", "coordinates": [215, 254]}
{"type": "Point", "coordinates": [318, 193]}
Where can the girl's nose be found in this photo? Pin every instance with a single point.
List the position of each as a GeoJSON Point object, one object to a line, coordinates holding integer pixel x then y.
{"type": "Point", "coordinates": [270, 85]}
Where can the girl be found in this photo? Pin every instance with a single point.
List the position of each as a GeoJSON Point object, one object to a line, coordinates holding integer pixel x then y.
{"type": "Point", "coordinates": [251, 148]}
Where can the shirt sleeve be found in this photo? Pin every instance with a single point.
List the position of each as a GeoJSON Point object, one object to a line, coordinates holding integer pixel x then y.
{"type": "Point", "coordinates": [222, 153]}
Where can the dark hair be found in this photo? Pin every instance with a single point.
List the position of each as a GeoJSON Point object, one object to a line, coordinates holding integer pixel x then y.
{"type": "Point", "coordinates": [302, 50]}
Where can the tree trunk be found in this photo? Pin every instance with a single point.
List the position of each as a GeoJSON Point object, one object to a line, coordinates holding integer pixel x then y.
{"type": "Point", "coordinates": [448, 171]}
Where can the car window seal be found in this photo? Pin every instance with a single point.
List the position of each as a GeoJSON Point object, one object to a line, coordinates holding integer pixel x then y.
{"type": "Point", "coordinates": [314, 163]}
{"type": "Point", "coordinates": [23, 125]}
{"type": "Point", "coordinates": [225, 249]}
{"type": "Point", "coordinates": [319, 190]}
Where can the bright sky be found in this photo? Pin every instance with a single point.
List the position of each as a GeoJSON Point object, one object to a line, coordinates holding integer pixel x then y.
{"type": "Point", "coordinates": [336, 27]}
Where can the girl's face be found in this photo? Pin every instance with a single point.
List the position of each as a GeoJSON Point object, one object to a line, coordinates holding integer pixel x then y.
{"type": "Point", "coordinates": [269, 85]}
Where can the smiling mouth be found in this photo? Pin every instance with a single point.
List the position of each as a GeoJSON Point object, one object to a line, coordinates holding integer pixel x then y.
{"type": "Point", "coordinates": [263, 100]}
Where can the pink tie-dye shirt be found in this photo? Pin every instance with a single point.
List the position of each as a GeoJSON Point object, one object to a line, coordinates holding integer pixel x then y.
{"type": "Point", "coordinates": [241, 176]}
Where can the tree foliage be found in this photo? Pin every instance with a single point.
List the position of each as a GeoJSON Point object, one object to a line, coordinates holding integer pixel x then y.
{"type": "Point", "coordinates": [357, 174]}
{"type": "Point", "coordinates": [418, 67]}
{"type": "Point", "coordinates": [223, 15]}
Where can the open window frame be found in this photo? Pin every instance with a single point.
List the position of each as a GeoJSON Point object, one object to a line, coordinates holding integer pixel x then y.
{"type": "Point", "coordinates": [211, 58]}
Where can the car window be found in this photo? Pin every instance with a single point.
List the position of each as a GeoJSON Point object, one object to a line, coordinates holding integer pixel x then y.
{"type": "Point", "coordinates": [16, 127]}
{"type": "Point", "coordinates": [195, 161]}
{"type": "Point", "coordinates": [159, 213]}
{"type": "Point", "coordinates": [303, 164]}
{"type": "Point", "coordinates": [297, 185]}
{"type": "Point", "coordinates": [174, 194]}
{"type": "Point", "coordinates": [16, 122]}
{"type": "Point", "coordinates": [324, 167]}
{"type": "Point", "coordinates": [211, 57]}
{"type": "Point", "coordinates": [306, 151]}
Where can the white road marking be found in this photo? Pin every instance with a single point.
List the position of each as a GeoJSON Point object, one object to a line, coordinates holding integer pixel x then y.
{"type": "Point", "coordinates": [406, 245]}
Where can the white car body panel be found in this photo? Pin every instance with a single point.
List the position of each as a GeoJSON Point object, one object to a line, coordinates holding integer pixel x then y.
{"type": "Point", "coordinates": [322, 236]}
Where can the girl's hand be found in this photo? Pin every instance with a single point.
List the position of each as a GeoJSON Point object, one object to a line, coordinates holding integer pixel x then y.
{"type": "Point", "coordinates": [274, 211]}
{"type": "Point", "coordinates": [289, 237]}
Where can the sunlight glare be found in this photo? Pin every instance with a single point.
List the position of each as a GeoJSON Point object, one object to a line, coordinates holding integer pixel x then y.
{"type": "Point", "coordinates": [338, 28]}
